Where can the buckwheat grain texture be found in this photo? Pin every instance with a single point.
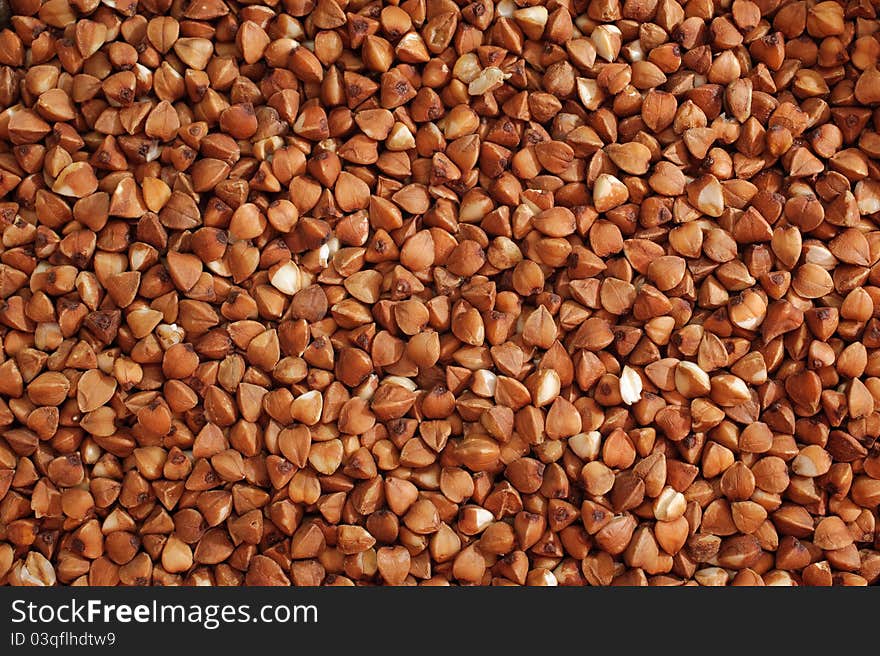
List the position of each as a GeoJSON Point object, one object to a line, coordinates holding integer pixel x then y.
{"type": "Point", "coordinates": [426, 292]}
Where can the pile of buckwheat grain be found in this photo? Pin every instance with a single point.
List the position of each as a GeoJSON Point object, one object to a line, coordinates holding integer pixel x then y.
{"type": "Point", "coordinates": [326, 292]}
